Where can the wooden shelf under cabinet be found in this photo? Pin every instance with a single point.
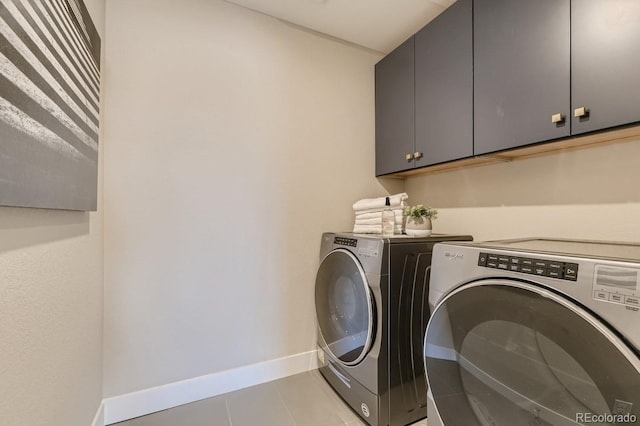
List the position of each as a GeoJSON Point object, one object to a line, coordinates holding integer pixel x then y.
{"type": "Point", "coordinates": [626, 134]}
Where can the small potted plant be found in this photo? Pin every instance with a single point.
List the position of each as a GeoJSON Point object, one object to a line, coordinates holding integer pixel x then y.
{"type": "Point", "coordinates": [419, 220]}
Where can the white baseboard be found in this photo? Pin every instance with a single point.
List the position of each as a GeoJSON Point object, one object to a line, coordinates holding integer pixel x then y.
{"type": "Point", "coordinates": [98, 420]}
{"type": "Point", "coordinates": [147, 401]}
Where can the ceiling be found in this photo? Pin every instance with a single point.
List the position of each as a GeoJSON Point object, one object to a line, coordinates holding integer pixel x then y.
{"type": "Point", "coordinates": [379, 25]}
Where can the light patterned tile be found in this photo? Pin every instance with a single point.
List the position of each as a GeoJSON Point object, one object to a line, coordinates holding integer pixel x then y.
{"type": "Point", "coordinates": [346, 413]}
{"type": "Point", "coordinates": [309, 402]}
{"type": "Point", "coordinates": [258, 405]}
{"type": "Point", "coordinates": [304, 399]}
{"type": "Point", "coordinates": [208, 412]}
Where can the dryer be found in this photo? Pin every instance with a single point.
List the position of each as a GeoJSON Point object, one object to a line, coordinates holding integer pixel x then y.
{"type": "Point", "coordinates": [372, 310]}
{"type": "Point", "coordinates": [534, 332]}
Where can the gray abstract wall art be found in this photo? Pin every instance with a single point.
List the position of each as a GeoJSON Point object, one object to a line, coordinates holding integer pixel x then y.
{"type": "Point", "coordinates": [49, 104]}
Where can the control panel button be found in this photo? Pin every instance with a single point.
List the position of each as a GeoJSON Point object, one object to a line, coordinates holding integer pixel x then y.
{"type": "Point", "coordinates": [527, 262]}
{"type": "Point", "coordinates": [600, 295]}
{"type": "Point", "coordinates": [571, 271]}
{"type": "Point", "coordinates": [482, 259]}
{"type": "Point", "coordinates": [503, 262]}
{"type": "Point", "coordinates": [526, 269]}
{"type": "Point", "coordinates": [539, 271]}
{"type": "Point", "coordinates": [553, 273]}
{"type": "Point", "coordinates": [539, 267]}
{"type": "Point", "coordinates": [617, 298]}
{"type": "Point", "coordinates": [555, 266]}
{"type": "Point", "coordinates": [631, 300]}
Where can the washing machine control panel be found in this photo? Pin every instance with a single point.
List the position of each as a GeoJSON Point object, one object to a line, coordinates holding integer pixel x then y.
{"type": "Point", "coordinates": [530, 265]}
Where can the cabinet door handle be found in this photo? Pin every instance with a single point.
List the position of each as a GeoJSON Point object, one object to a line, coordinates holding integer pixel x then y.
{"type": "Point", "coordinates": [580, 112]}
{"type": "Point", "coordinates": [417, 155]}
{"type": "Point", "coordinates": [409, 157]}
{"type": "Point", "coordinates": [557, 118]}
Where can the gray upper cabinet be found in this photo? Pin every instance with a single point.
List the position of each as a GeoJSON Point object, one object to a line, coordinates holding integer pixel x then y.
{"type": "Point", "coordinates": [605, 64]}
{"type": "Point", "coordinates": [444, 87]}
{"type": "Point", "coordinates": [395, 132]}
{"type": "Point", "coordinates": [488, 76]}
{"type": "Point", "coordinates": [521, 72]}
{"type": "Point", "coordinates": [424, 93]}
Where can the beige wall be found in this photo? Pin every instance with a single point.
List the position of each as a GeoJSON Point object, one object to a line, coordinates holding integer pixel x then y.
{"type": "Point", "coordinates": [51, 310]}
{"type": "Point", "coordinates": [233, 142]}
{"type": "Point", "coordinates": [588, 194]}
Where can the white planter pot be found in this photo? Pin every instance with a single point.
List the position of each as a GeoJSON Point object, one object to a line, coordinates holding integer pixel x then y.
{"type": "Point", "coordinates": [418, 226]}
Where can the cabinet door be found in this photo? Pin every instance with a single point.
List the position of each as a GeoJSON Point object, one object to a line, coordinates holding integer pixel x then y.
{"type": "Point", "coordinates": [444, 86]}
{"type": "Point", "coordinates": [394, 110]}
{"type": "Point", "coordinates": [605, 63]}
{"type": "Point", "coordinates": [521, 72]}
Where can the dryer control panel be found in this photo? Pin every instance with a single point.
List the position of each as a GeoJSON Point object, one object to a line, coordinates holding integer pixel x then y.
{"type": "Point", "coordinates": [530, 265]}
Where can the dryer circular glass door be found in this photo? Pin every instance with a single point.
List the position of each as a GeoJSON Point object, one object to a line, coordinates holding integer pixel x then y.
{"type": "Point", "coordinates": [344, 307]}
{"type": "Point", "coordinates": [505, 352]}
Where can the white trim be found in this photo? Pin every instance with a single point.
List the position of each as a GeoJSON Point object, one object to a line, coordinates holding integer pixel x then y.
{"type": "Point", "coordinates": [98, 420]}
{"type": "Point", "coordinates": [147, 401]}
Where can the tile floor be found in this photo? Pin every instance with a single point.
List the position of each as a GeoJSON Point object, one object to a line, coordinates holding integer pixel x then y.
{"type": "Point", "coordinates": [304, 399]}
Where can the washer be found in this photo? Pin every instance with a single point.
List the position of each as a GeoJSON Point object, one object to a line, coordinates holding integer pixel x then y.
{"type": "Point", "coordinates": [372, 310]}
{"type": "Point", "coordinates": [534, 332]}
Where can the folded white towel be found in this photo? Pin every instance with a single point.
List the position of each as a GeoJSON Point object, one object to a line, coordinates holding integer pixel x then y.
{"type": "Point", "coordinates": [379, 203]}
{"type": "Point", "coordinates": [368, 214]}
{"type": "Point", "coordinates": [367, 229]}
{"type": "Point", "coordinates": [373, 229]}
{"type": "Point", "coordinates": [371, 215]}
{"type": "Point", "coordinates": [372, 221]}
{"type": "Point", "coordinates": [376, 218]}
{"type": "Point", "coordinates": [370, 218]}
{"type": "Point", "coordinates": [394, 208]}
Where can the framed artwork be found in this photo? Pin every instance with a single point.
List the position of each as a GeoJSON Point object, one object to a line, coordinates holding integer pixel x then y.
{"type": "Point", "coordinates": [49, 105]}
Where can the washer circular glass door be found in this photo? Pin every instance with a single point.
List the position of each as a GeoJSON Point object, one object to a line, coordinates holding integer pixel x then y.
{"type": "Point", "coordinates": [507, 352]}
{"type": "Point", "coordinates": [344, 307]}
